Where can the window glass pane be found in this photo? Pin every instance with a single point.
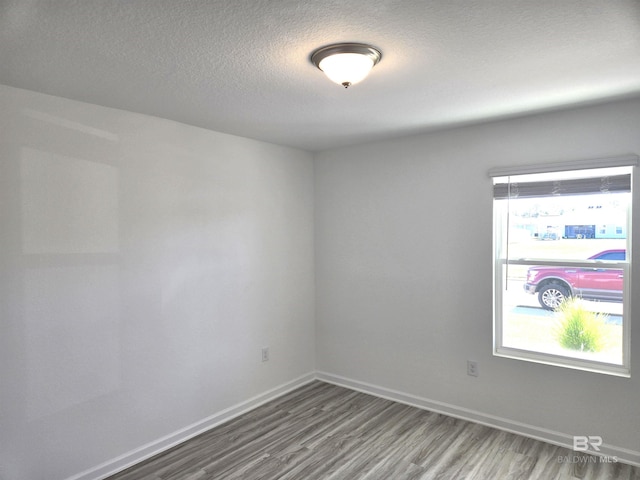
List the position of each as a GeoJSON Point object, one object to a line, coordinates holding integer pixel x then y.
{"type": "Point", "coordinates": [588, 326]}
{"type": "Point", "coordinates": [567, 227]}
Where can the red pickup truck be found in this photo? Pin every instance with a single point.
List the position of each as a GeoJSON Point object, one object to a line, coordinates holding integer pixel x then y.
{"type": "Point", "coordinates": [554, 284]}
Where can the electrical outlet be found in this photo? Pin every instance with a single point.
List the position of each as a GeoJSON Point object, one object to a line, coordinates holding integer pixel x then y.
{"type": "Point", "coordinates": [265, 354]}
{"type": "Point", "coordinates": [472, 368]}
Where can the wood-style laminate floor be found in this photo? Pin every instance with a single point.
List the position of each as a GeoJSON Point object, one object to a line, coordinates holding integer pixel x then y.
{"type": "Point", "coordinates": [321, 431]}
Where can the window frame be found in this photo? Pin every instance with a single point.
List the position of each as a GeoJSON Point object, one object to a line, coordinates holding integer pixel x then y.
{"type": "Point", "coordinates": [499, 265]}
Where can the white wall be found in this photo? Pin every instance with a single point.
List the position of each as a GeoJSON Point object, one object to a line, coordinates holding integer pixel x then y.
{"type": "Point", "coordinates": [403, 271]}
{"type": "Point", "coordinates": [144, 264]}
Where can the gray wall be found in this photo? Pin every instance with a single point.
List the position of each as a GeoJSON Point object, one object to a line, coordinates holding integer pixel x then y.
{"type": "Point", "coordinates": [404, 269]}
{"type": "Point", "coordinates": [144, 265]}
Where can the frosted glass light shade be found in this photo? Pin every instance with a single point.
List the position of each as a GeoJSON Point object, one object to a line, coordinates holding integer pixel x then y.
{"type": "Point", "coordinates": [346, 68]}
{"type": "Point", "coordinates": [347, 63]}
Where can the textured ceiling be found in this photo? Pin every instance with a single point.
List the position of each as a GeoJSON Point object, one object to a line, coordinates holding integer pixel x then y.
{"type": "Point", "coordinates": [242, 66]}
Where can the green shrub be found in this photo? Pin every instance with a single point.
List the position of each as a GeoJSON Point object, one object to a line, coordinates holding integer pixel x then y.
{"type": "Point", "coordinates": [580, 329]}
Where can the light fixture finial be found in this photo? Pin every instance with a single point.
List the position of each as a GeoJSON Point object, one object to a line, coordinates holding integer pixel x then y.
{"type": "Point", "coordinates": [346, 63]}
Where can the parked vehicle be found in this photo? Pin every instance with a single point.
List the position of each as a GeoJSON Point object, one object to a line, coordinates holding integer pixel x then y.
{"type": "Point", "coordinates": [554, 284]}
{"type": "Point", "coordinates": [550, 236]}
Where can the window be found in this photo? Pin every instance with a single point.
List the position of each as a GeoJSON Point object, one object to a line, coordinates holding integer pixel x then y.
{"type": "Point", "coordinates": [561, 266]}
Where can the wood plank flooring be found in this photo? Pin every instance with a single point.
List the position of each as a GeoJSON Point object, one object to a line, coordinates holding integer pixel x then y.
{"type": "Point", "coordinates": [324, 432]}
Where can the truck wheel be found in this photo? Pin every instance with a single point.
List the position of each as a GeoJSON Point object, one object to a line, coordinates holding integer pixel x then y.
{"type": "Point", "coordinates": [552, 295]}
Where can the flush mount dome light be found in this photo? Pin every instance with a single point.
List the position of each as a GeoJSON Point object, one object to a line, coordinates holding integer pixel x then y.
{"type": "Point", "coordinates": [346, 63]}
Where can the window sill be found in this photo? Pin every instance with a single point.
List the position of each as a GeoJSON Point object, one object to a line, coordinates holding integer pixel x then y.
{"type": "Point", "coordinates": [565, 362]}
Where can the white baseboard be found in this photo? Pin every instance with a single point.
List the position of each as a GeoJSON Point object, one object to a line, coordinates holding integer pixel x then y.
{"type": "Point", "coordinates": [624, 455]}
{"type": "Point", "coordinates": [158, 446]}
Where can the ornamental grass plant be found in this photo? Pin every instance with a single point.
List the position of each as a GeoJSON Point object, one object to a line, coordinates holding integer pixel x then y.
{"type": "Point", "coordinates": [578, 328]}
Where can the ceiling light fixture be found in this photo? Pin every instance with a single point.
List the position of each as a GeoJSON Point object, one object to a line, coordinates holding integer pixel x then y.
{"type": "Point", "coordinates": [346, 63]}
